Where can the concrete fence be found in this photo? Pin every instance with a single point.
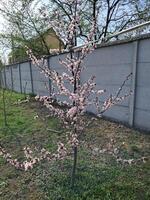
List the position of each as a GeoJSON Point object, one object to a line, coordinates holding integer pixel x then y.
{"type": "Point", "coordinates": [111, 63]}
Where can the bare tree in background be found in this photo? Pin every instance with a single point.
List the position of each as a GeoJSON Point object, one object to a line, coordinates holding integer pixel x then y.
{"type": "Point", "coordinates": [22, 25]}
{"type": "Point", "coordinates": [24, 20]}
{"type": "Point", "coordinates": [112, 15]}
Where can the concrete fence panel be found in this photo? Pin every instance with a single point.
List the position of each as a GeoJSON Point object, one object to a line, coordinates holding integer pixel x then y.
{"type": "Point", "coordinates": [111, 64]}
{"type": "Point", "coordinates": [26, 77]}
{"type": "Point", "coordinates": [142, 100]}
{"type": "Point", "coordinates": [7, 78]}
{"type": "Point", "coordinates": [16, 78]}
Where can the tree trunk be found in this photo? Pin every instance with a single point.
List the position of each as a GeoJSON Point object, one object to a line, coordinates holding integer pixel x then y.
{"type": "Point", "coordinates": [74, 166]}
{"type": "Point", "coordinates": [4, 108]}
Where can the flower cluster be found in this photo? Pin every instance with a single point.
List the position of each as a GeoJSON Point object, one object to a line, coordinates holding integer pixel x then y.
{"type": "Point", "coordinates": [73, 141]}
{"type": "Point", "coordinates": [32, 160]}
{"type": "Point", "coordinates": [114, 150]}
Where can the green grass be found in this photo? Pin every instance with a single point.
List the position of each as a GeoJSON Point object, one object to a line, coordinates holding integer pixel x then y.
{"type": "Point", "coordinates": [99, 177]}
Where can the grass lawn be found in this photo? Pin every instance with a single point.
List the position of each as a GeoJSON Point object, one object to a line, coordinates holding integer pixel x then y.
{"type": "Point", "coordinates": [99, 176]}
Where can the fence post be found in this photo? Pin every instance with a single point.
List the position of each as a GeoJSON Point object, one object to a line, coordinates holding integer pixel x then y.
{"type": "Point", "coordinates": [49, 80]}
{"type": "Point", "coordinates": [133, 84]}
{"type": "Point", "coordinates": [11, 74]}
{"type": "Point", "coordinates": [20, 77]}
{"type": "Point", "coordinates": [31, 75]}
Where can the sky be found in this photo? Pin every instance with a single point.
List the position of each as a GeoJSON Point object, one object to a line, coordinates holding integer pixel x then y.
{"type": "Point", "coordinates": [3, 52]}
{"type": "Point", "coordinates": [1, 22]}
{"type": "Point", "coordinates": [1, 17]}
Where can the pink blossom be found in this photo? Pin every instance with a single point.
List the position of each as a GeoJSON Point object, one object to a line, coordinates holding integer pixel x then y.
{"type": "Point", "coordinates": [72, 112]}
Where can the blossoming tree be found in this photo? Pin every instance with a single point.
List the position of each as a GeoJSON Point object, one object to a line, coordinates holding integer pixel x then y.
{"type": "Point", "coordinates": [78, 97]}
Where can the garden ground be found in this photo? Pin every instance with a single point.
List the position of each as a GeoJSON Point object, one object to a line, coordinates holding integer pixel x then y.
{"type": "Point", "coordinates": [99, 176]}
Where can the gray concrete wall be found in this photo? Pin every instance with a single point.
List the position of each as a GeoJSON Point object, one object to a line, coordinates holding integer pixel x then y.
{"type": "Point", "coordinates": [142, 99]}
{"type": "Point", "coordinates": [110, 64]}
